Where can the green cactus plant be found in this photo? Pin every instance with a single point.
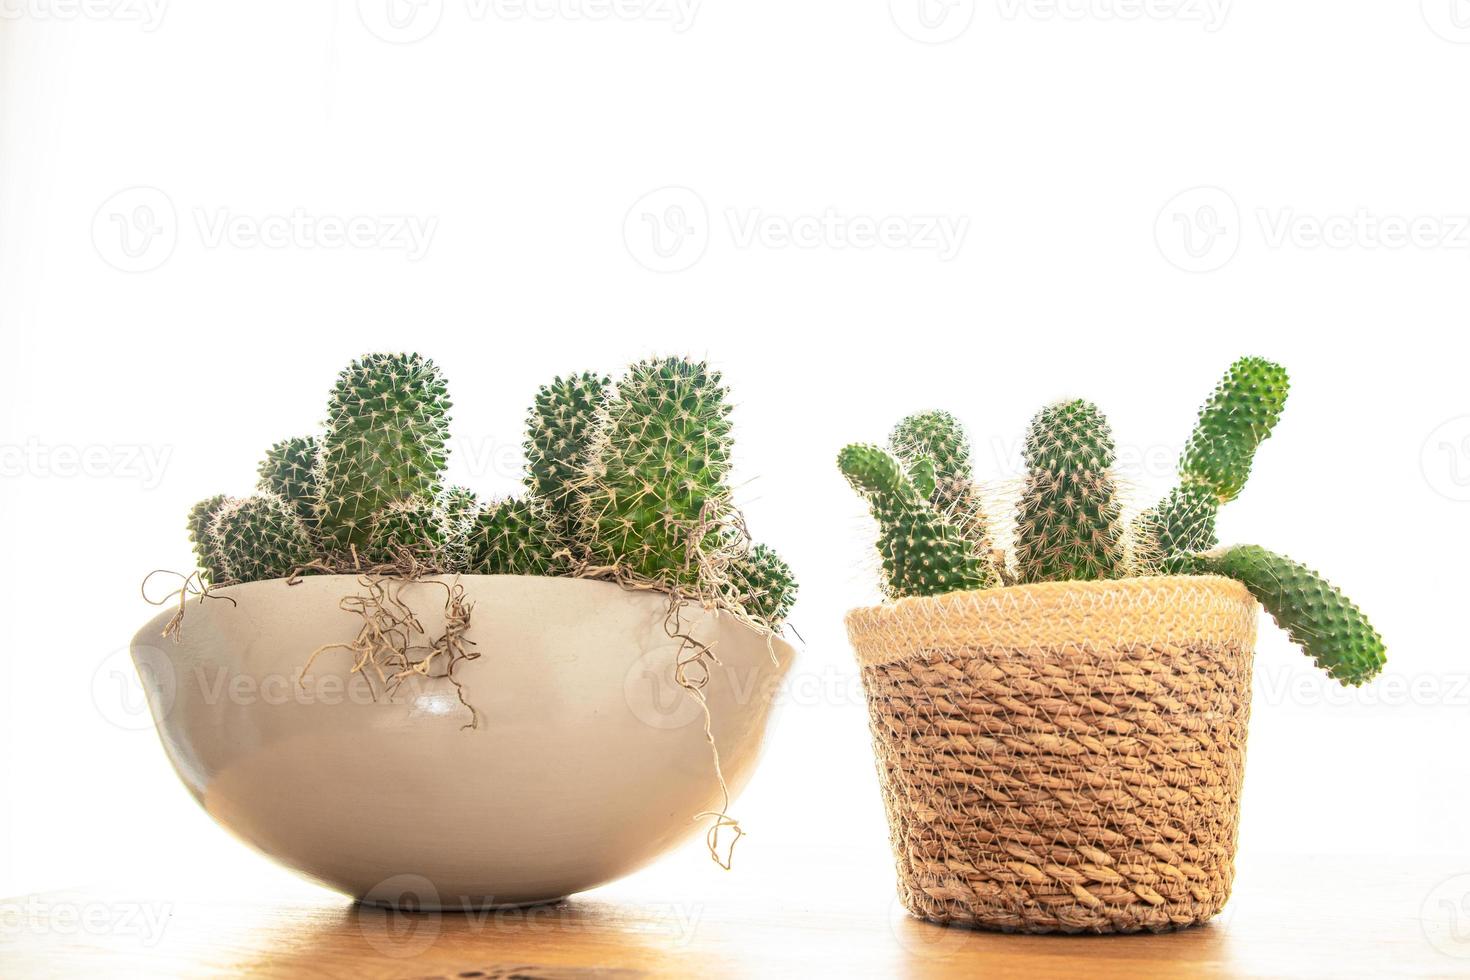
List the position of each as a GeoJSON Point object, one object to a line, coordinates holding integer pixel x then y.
{"type": "Point", "coordinates": [1317, 617]}
{"type": "Point", "coordinates": [289, 471]}
{"type": "Point", "coordinates": [516, 537]}
{"type": "Point", "coordinates": [1069, 519]}
{"type": "Point", "coordinates": [410, 529]}
{"type": "Point", "coordinates": [762, 584]}
{"type": "Point", "coordinates": [937, 436]}
{"type": "Point", "coordinates": [923, 554]}
{"type": "Point", "coordinates": [260, 537]}
{"type": "Point", "coordinates": [655, 492]}
{"type": "Point", "coordinates": [387, 426]}
{"type": "Point", "coordinates": [632, 484]}
{"type": "Point", "coordinates": [1068, 525]}
{"type": "Point", "coordinates": [206, 548]}
{"type": "Point", "coordinates": [561, 432]}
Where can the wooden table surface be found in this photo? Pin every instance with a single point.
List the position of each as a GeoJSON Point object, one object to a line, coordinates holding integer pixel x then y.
{"type": "Point", "coordinates": [782, 911]}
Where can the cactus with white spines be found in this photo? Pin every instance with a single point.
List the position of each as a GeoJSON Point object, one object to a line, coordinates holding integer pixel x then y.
{"type": "Point", "coordinates": [655, 496]}
{"type": "Point", "coordinates": [938, 437]}
{"type": "Point", "coordinates": [632, 482]}
{"type": "Point", "coordinates": [289, 471]}
{"type": "Point", "coordinates": [260, 537]}
{"type": "Point", "coordinates": [386, 433]}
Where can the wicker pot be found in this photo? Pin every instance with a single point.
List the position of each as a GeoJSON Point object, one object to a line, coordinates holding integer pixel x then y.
{"type": "Point", "coordinates": [1062, 757]}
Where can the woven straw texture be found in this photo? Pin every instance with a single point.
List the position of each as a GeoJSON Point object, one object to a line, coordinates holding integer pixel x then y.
{"type": "Point", "coordinates": [1062, 757]}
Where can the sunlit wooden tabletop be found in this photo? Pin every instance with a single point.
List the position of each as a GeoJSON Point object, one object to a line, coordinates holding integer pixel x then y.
{"type": "Point", "coordinates": [782, 911]}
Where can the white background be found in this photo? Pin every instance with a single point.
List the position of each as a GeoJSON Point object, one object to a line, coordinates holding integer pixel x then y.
{"type": "Point", "coordinates": [1136, 196]}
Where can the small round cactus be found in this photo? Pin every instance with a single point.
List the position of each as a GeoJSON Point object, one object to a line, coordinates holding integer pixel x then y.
{"type": "Point", "coordinates": [516, 537]}
{"type": "Point", "coordinates": [406, 530]}
{"type": "Point", "coordinates": [762, 584]}
{"type": "Point", "coordinates": [289, 471]}
{"type": "Point", "coordinates": [260, 537]}
{"type": "Point", "coordinates": [206, 547]}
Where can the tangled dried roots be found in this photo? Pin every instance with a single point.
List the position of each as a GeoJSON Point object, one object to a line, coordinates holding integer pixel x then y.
{"type": "Point", "coordinates": [393, 647]}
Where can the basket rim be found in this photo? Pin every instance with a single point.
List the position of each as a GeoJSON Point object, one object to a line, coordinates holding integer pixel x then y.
{"type": "Point", "coordinates": [944, 616]}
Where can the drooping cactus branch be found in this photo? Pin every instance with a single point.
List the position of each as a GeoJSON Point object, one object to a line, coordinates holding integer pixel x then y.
{"type": "Point", "coordinates": [762, 583]}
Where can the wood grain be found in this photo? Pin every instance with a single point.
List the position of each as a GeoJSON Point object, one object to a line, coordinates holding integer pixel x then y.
{"type": "Point", "coordinates": [782, 912]}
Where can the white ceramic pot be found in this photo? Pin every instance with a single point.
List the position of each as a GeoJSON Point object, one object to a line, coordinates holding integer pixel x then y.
{"type": "Point", "coordinates": [588, 762]}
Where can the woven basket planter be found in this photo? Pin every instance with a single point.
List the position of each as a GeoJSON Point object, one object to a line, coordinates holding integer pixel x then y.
{"type": "Point", "coordinates": [1062, 757]}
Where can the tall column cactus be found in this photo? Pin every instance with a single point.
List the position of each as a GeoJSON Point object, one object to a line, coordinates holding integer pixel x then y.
{"type": "Point", "coordinates": [1068, 522]}
{"type": "Point", "coordinates": [387, 426]}
{"type": "Point", "coordinates": [1318, 618]}
{"type": "Point", "coordinates": [937, 436]}
{"type": "Point", "coordinates": [561, 433]}
{"type": "Point", "coordinates": [657, 478]}
{"type": "Point", "coordinates": [923, 554]}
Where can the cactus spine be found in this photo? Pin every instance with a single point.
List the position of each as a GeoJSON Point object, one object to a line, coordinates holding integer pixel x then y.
{"type": "Point", "coordinates": [1068, 524]}
{"type": "Point", "coordinates": [260, 537]}
{"type": "Point", "coordinates": [387, 425]}
{"type": "Point", "coordinates": [560, 434]}
{"type": "Point", "coordinates": [516, 537]}
{"type": "Point", "coordinates": [655, 493]}
{"type": "Point", "coordinates": [206, 547]}
{"type": "Point", "coordinates": [922, 552]}
{"type": "Point", "coordinates": [1317, 617]}
{"type": "Point", "coordinates": [289, 471]}
{"type": "Point", "coordinates": [762, 584]}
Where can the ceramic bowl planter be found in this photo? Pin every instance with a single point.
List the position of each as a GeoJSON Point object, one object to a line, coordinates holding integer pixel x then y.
{"type": "Point", "coordinates": [1062, 757]}
{"type": "Point", "coordinates": [588, 760]}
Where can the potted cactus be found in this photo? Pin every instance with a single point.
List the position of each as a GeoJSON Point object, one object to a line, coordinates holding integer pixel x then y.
{"type": "Point", "coordinates": [496, 656]}
{"type": "Point", "coordinates": [1061, 730]}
